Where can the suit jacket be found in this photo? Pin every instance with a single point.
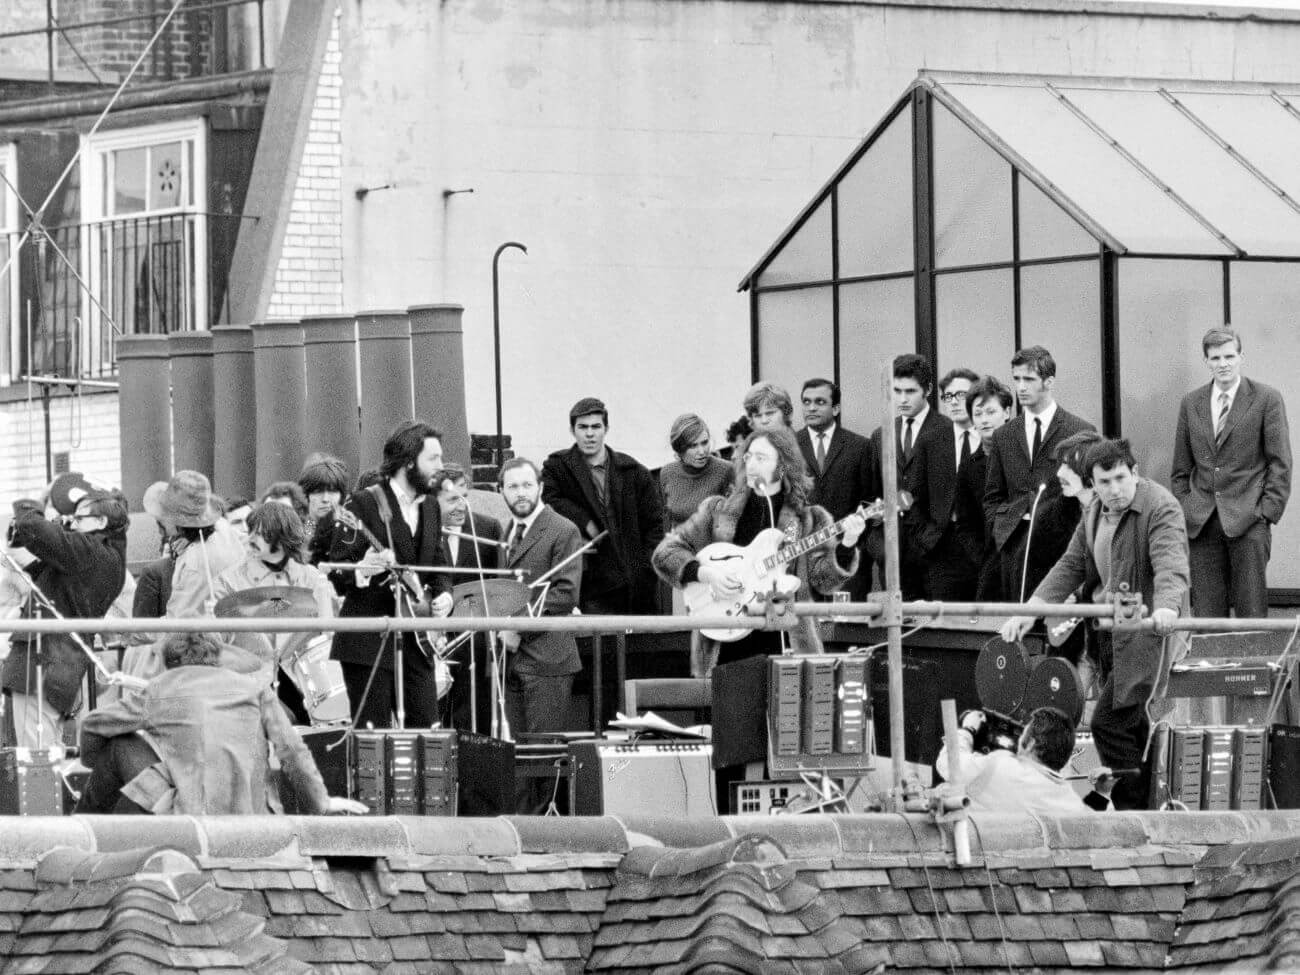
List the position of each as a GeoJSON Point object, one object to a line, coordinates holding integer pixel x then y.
{"type": "Point", "coordinates": [1149, 552]}
{"type": "Point", "coordinates": [634, 519]}
{"type": "Point", "coordinates": [934, 421]}
{"type": "Point", "coordinates": [847, 480]}
{"type": "Point", "coordinates": [1247, 478]}
{"type": "Point", "coordinates": [933, 483]}
{"type": "Point", "coordinates": [1012, 481]}
{"type": "Point", "coordinates": [972, 525]}
{"type": "Point", "coordinates": [376, 599]}
{"type": "Point", "coordinates": [551, 540]}
{"type": "Point", "coordinates": [489, 556]}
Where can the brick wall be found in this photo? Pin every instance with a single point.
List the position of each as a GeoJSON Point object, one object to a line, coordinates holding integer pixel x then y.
{"type": "Point", "coordinates": [85, 427]}
{"type": "Point", "coordinates": [309, 273]}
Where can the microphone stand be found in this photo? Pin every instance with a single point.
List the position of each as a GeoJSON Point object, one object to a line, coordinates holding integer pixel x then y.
{"type": "Point", "coordinates": [122, 680]}
{"type": "Point", "coordinates": [1029, 539]}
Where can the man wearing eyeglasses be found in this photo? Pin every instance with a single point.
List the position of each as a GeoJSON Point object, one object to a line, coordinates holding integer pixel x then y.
{"type": "Point", "coordinates": [948, 556]}
{"type": "Point", "coordinates": [80, 570]}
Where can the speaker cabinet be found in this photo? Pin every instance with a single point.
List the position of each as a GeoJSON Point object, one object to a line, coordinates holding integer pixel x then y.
{"type": "Point", "coordinates": [669, 778]}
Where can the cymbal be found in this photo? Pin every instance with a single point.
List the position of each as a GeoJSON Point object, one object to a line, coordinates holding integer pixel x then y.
{"type": "Point", "coordinates": [505, 597]}
{"type": "Point", "coordinates": [264, 601]}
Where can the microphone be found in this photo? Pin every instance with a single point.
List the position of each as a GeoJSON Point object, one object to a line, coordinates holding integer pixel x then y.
{"type": "Point", "coordinates": [1029, 539]}
{"type": "Point", "coordinates": [475, 538]}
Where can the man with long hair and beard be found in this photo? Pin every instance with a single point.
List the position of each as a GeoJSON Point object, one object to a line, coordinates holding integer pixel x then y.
{"type": "Point", "coordinates": [771, 491]}
{"type": "Point", "coordinates": [402, 513]}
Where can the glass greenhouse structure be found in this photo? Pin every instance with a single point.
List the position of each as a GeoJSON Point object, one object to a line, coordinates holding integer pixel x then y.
{"type": "Point", "coordinates": [1111, 220]}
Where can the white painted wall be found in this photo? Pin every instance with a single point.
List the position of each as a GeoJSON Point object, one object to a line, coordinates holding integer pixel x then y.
{"type": "Point", "coordinates": [648, 152]}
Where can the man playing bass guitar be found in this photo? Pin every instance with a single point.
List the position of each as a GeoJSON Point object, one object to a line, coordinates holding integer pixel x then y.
{"type": "Point", "coordinates": [771, 491]}
{"type": "Point", "coordinates": [401, 512]}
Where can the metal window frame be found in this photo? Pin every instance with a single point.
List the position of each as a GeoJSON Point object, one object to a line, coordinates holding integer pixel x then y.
{"type": "Point", "coordinates": [94, 163]}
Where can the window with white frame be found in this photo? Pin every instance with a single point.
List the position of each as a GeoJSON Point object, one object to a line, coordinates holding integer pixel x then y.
{"type": "Point", "coordinates": [9, 234]}
{"type": "Point", "coordinates": [144, 243]}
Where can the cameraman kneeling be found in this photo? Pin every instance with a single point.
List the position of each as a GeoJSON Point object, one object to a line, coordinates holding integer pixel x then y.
{"type": "Point", "coordinates": [1029, 779]}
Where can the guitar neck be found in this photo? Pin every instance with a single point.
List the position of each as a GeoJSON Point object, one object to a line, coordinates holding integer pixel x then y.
{"type": "Point", "coordinates": [788, 553]}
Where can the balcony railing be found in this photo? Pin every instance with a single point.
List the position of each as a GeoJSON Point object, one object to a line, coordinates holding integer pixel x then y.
{"type": "Point", "coordinates": [81, 285]}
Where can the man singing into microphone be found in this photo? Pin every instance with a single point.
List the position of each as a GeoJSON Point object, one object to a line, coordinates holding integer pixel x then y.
{"type": "Point", "coordinates": [771, 490]}
{"type": "Point", "coordinates": [1022, 473]}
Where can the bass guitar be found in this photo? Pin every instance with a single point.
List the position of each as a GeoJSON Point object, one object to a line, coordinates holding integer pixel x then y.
{"type": "Point", "coordinates": [760, 566]}
{"type": "Point", "coordinates": [410, 602]}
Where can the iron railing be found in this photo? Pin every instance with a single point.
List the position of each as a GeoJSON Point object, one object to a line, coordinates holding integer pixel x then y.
{"type": "Point", "coordinates": [204, 38]}
{"type": "Point", "coordinates": [82, 285]}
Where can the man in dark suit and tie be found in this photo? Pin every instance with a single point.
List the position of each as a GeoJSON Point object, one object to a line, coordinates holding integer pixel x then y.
{"type": "Point", "coordinates": [913, 382]}
{"type": "Point", "coordinates": [1232, 475]}
{"type": "Point", "coordinates": [539, 676]}
{"type": "Point", "coordinates": [1022, 472]}
{"type": "Point", "coordinates": [950, 554]}
{"type": "Point", "coordinates": [452, 490]}
{"type": "Point", "coordinates": [401, 512]}
{"type": "Point", "coordinates": [839, 461]}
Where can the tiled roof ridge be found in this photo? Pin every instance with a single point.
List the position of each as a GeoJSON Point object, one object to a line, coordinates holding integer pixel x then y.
{"type": "Point", "coordinates": [140, 909]}
{"type": "Point", "coordinates": [296, 840]}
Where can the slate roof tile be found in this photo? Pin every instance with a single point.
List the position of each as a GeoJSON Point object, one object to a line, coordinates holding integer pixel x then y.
{"type": "Point", "coordinates": [1084, 953]}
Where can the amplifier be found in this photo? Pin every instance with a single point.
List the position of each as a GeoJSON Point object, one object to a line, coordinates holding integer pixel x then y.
{"type": "Point", "coordinates": [1284, 766]}
{"type": "Point", "coordinates": [432, 773]}
{"type": "Point", "coordinates": [819, 715]}
{"type": "Point", "coordinates": [1208, 768]}
{"type": "Point", "coordinates": [762, 798]}
{"type": "Point", "coordinates": [1221, 678]}
{"type": "Point", "coordinates": [29, 783]}
{"type": "Point", "coordinates": [669, 778]}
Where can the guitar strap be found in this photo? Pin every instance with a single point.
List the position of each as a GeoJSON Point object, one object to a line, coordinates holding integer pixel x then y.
{"type": "Point", "coordinates": [385, 512]}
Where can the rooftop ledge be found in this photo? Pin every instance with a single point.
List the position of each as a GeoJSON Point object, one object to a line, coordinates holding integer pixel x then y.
{"type": "Point", "coordinates": [288, 842]}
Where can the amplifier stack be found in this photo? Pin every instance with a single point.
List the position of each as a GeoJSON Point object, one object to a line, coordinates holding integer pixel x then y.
{"type": "Point", "coordinates": [819, 716]}
{"type": "Point", "coordinates": [1208, 767]}
{"type": "Point", "coordinates": [433, 773]}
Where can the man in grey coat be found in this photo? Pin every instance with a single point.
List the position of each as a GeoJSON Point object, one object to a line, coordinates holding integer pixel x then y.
{"type": "Point", "coordinates": [540, 543]}
{"type": "Point", "coordinates": [1232, 475]}
{"type": "Point", "coordinates": [1132, 532]}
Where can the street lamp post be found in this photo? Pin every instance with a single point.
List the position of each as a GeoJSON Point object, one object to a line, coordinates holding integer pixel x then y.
{"type": "Point", "coordinates": [496, 329]}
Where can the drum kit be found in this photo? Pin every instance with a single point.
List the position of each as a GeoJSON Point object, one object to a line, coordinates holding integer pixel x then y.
{"type": "Point", "coordinates": [320, 679]}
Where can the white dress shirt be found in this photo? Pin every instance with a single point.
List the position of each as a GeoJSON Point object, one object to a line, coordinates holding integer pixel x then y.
{"type": "Point", "coordinates": [1216, 413]}
{"type": "Point", "coordinates": [1046, 416]}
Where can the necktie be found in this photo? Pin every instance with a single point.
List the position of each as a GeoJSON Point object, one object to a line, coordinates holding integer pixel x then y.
{"type": "Point", "coordinates": [1038, 438]}
{"type": "Point", "coordinates": [516, 537]}
{"type": "Point", "coordinates": [965, 450]}
{"type": "Point", "coordinates": [1220, 424]}
{"type": "Point", "coordinates": [821, 453]}
{"type": "Point", "coordinates": [907, 440]}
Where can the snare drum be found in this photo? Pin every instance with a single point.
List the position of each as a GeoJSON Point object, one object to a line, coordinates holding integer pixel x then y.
{"type": "Point", "coordinates": [320, 681]}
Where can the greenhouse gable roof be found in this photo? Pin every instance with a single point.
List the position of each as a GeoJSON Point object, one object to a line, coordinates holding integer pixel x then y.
{"type": "Point", "coordinates": [1148, 166]}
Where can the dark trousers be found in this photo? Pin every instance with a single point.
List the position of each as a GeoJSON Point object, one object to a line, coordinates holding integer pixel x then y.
{"type": "Point", "coordinates": [459, 703]}
{"type": "Point", "coordinates": [537, 703]}
{"type": "Point", "coordinates": [1120, 734]}
{"type": "Point", "coordinates": [124, 757]}
{"type": "Point", "coordinates": [380, 704]}
{"type": "Point", "coordinates": [950, 573]}
{"type": "Point", "coordinates": [1228, 573]}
